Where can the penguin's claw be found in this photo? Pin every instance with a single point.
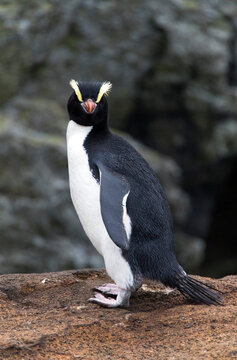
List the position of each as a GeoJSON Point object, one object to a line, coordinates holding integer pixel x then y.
{"type": "Point", "coordinates": [122, 298]}
{"type": "Point", "coordinates": [104, 301]}
{"type": "Point", "coordinates": [108, 289]}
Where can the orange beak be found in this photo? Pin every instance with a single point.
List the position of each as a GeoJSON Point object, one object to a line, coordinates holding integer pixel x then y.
{"type": "Point", "coordinates": [89, 106]}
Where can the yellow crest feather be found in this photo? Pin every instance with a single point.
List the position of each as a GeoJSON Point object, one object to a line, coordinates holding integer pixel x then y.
{"type": "Point", "coordinates": [75, 87]}
{"type": "Point", "coordinates": [104, 90]}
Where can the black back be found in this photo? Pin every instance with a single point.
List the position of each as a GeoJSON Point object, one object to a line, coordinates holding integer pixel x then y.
{"type": "Point", "coordinates": [120, 168]}
{"type": "Point", "coordinates": [151, 240]}
{"type": "Point", "coordinates": [151, 250]}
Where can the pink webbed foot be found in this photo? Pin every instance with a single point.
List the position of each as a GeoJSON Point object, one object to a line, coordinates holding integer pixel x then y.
{"type": "Point", "coordinates": [108, 289]}
{"type": "Point", "coordinates": [122, 299]}
{"type": "Point", "coordinates": [104, 301]}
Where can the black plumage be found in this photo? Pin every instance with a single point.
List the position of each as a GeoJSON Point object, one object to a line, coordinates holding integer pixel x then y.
{"type": "Point", "coordinates": [119, 167]}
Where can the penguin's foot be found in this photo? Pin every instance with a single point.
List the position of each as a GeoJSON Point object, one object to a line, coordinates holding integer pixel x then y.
{"type": "Point", "coordinates": [108, 289]}
{"type": "Point", "coordinates": [104, 301]}
{"type": "Point", "coordinates": [121, 300]}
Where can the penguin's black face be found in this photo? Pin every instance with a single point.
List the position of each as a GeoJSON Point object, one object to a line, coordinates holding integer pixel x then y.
{"type": "Point", "coordinates": [88, 105]}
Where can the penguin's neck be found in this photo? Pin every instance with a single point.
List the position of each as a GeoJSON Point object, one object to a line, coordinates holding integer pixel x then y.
{"type": "Point", "coordinates": [100, 130]}
{"type": "Point", "coordinates": [101, 127]}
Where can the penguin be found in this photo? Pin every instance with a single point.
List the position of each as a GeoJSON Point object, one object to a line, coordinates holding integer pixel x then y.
{"type": "Point", "coordinates": [121, 204]}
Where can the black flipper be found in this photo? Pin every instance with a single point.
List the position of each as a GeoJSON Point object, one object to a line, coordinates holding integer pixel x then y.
{"type": "Point", "coordinates": [113, 188]}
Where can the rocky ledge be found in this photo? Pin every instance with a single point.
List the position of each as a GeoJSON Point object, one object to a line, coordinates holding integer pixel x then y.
{"type": "Point", "coordinates": [47, 316]}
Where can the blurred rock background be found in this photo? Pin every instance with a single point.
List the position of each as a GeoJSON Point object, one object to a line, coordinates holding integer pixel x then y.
{"type": "Point", "coordinates": [173, 65]}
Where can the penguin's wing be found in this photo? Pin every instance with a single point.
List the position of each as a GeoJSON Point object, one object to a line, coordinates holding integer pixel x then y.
{"type": "Point", "coordinates": [114, 189]}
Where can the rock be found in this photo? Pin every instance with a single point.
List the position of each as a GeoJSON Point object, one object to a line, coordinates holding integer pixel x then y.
{"type": "Point", "coordinates": [188, 99]}
{"type": "Point", "coordinates": [190, 251]}
{"type": "Point", "coordinates": [47, 316]}
{"type": "Point", "coordinates": [173, 67]}
{"type": "Point", "coordinates": [39, 227]}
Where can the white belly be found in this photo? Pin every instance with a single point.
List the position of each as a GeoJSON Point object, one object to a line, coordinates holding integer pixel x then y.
{"type": "Point", "coordinates": [85, 194]}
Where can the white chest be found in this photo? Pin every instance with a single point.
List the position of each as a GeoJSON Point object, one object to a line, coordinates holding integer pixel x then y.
{"type": "Point", "coordinates": [85, 191]}
{"type": "Point", "coordinates": [85, 194]}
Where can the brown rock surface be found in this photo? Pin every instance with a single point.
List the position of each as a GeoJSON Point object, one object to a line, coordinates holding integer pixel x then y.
{"type": "Point", "coordinates": [47, 316]}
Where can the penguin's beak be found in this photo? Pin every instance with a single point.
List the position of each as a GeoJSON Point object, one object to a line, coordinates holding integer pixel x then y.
{"type": "Point", "coordinates": [89, 106]}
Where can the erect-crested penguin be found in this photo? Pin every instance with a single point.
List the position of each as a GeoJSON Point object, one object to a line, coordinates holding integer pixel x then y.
{"type": "Point", "coordinates": [121, 204]}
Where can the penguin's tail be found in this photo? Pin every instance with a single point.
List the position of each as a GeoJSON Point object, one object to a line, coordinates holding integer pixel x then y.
{"type": "Point", "coordinates": [197, 290]}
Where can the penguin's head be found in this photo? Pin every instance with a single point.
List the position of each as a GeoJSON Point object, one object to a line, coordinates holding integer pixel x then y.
{"type": "Point", "coordinates": [88, 105]}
